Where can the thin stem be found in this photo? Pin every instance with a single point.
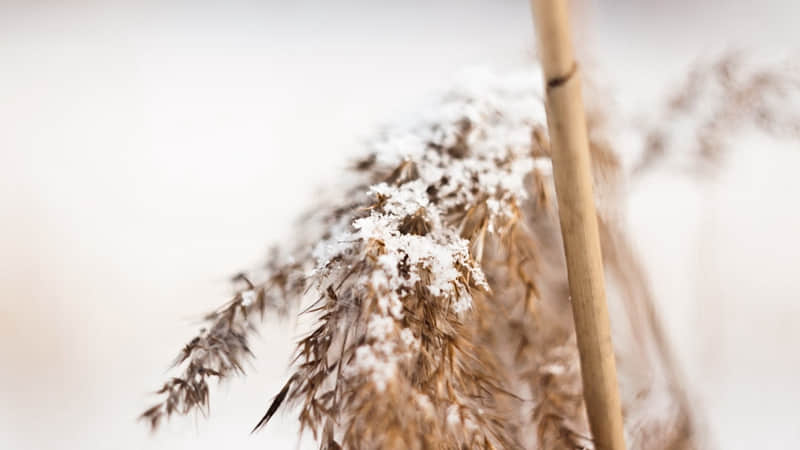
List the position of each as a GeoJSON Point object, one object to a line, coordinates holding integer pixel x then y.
{"type": "Point", "coordinates": [573, 181]}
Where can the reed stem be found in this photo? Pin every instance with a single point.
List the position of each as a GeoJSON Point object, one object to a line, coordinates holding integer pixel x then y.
{"type": "Point", "coordinates": [573, 181]}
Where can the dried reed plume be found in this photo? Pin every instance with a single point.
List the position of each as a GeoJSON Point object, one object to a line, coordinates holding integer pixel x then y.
{"type": "Point", "coordinates": [439, 285]}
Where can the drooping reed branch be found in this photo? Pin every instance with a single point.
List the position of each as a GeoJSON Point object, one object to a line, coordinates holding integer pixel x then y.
{"type": "Point", "coordinates": [221, 347]}
{"type": "Point", "coordinates": [718, 101]}
{"type": "Point", "coordinates": [439, 288]}
{"type": "Point", "coordinates": [573, 182]}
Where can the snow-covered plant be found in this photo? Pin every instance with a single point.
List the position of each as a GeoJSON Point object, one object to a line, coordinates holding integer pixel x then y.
{"type": "Point", "coordinates": [438, 285]}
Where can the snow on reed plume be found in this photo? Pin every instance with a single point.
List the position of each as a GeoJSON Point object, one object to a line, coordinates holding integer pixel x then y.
{"type": "Point", "coordinates": [439, 286]}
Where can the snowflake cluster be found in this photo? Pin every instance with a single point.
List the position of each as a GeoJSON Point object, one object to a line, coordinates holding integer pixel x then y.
{"type": "Point", "coordinates": [472, 152]}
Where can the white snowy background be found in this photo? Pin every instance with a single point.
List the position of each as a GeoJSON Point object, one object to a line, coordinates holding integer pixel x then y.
{"type": "Point", "coordinates": [149, 149]}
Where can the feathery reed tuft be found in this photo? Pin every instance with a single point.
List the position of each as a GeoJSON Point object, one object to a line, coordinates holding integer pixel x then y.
{"type": "Point", "coordinates": [438, 285]}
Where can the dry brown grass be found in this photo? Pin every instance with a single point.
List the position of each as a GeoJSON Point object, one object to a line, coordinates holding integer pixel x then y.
{"type": "Point", "coordinates": [440, 293]}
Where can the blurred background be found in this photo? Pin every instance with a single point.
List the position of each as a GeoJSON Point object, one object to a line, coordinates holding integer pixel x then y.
{"type": "Point", "coordinates": [150, 149]}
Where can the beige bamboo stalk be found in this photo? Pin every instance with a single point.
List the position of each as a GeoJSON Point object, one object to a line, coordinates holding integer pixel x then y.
{"type": "Point", "coordinates": [573, 180]}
